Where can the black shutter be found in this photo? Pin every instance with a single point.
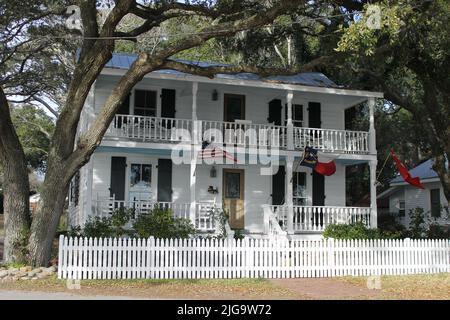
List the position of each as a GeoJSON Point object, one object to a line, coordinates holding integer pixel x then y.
{"type": "Point", "coordinates": [314, 115]}
{"type": "Point", "coordinates": [318, 197]}
{"type": "Point", "coordinates": [165, 180]}
{"type": "Point", "coordinates": [118, 167]}
{"type": "Point", "coordinates": [275, 112]}
{"type": "Point", "coordinates": [168, 103]}
{"type": "Point", "coordinates": [278, 185]}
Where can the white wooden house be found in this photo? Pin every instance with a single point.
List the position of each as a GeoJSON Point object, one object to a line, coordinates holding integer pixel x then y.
{"type": "Point", "coordinates": [401, 197]}
{"type": "Point", "coordinates": [134, 167]}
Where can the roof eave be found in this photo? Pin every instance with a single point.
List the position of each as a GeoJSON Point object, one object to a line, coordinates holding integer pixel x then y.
{"type": "Point", "coordinates": [252, 83]}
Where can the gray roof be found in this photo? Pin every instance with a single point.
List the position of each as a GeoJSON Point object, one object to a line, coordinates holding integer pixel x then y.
{"type": "Point", "coordinates": [423, 171]}
{"type": "Point", "coordinates": [316, 79]}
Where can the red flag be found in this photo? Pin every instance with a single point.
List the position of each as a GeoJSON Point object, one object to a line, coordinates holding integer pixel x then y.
{"type": "Point", "coordinates": [325, 168]}
{"type": "Point", "coordinates": [405, 173]}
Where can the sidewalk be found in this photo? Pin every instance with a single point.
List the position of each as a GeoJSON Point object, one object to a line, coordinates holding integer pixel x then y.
{"type": "Point", "coordinates": [40, 295]}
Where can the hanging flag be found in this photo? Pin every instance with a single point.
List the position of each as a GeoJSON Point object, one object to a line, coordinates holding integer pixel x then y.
{"type": "Point", "coordinates": [310, 159]}
{"type": "Point", "coordinates": [210, 152]}
{"type": "Point", "coordinates": [325, 168]}
{"type": "Point", "coordinates": [405, 173]}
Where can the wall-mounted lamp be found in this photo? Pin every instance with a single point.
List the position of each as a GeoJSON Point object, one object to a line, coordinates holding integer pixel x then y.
{"type": "Point", "coordinates": [215, 95]}
{"type": "Point", "coordinates": [213, 172]}
{"type": "Point", "coordinates": [213, 190]}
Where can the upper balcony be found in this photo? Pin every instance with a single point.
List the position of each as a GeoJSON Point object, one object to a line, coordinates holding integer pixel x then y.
{"type": "Point", "coordinates": [240, 133]}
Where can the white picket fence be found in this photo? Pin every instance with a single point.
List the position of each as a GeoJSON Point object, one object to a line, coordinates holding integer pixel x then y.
{"type": "Point", "coordinates": [83, 258]}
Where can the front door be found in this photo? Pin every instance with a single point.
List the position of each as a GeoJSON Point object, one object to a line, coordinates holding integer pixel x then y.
{"type": "Point", "coordinates": [233, 196]}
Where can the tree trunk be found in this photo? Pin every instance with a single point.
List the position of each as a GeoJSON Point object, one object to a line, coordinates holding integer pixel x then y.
{"type": "Point", "coordinates": [16, 188]}
{"type": "Point", "coordinates": [444, 174]}
{"type": "Point", "coordinates": [46, 220]}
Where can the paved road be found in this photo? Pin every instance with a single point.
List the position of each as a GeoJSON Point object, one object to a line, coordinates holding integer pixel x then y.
{"type": "Point", "coordinates": [37, 295]}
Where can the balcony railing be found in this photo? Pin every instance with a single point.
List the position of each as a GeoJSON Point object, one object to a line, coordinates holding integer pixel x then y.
{"type": "Point", "coordinates": [242, 134]}
{"type": "Point", "coordinates": [203, 220]}
{"type": "Point", "coordinates": [317, 218]}
{"type": "Point", "coordinates": [332, 140]}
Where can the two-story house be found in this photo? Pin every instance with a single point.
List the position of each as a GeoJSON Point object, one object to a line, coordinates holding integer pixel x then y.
{"type": "Point", "coordinates": [152, 153]}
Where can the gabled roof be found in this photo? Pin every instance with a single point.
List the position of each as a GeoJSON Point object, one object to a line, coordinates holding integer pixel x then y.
{"type": "Point", "coordinates": [423, 171]}
{"type": "Point", "coordinates": [316, 79]}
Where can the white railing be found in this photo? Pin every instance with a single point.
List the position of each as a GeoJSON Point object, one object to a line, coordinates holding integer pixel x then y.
{"type": "Point", "coordinates": [332, 140]}
{"type": "Point", "coordinates": [244, 134]}
{"type": "Point", "coordinates": [149, 128]}
{"type": "Point", "coordinates": [317, 218]}
{"type": "Point", "coordinates": [237, 133]}
{"type": "Point", "coordinates": [272, 226]}
{"type": "Point", "coordinates": [203, 220]}
{"type": "Point", "coordinates": [88, 258]}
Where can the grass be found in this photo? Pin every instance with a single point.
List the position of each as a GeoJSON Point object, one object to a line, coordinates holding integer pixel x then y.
{"type": "Point", "coordinates": [411, 287]}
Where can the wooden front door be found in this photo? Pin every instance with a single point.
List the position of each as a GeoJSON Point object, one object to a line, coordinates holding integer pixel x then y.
{"type": "Point", "coordinates": [233, 196]}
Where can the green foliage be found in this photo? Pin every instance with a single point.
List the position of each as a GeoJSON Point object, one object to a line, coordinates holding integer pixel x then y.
{"type": "Point", "coordinates": [350, 231]}
{"type": "Point", "coordinates": [436, 231]}
{"type": "Point", "coordinates": [239, 234]}
{"type": "Point", "coordinates": [34, 128]}
{"type": "Point", "coordinates": [160, 223]}
{"type": "Point", "coordinates": [417, 224]}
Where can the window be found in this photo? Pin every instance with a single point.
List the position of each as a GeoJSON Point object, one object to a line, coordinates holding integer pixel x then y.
{"type": "Point", "coordinates": [435, 196]}
{"type": "Point", "coordinates": [232, 185]}
{"type": "Point", "coordinates": [401, 208]}
{"type": "Point", "coordinates": [299, 188]}
{"type": "Point", "coordinates": [297, 115]}
{"type": "Point", "coordinates": [145, 103]}
{"type": "Point", "coordinates": [141, 175]}
{"type": "Point", "coordinates": [75, 189]}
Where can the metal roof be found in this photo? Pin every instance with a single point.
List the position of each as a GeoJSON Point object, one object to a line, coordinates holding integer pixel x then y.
{"type": "Point", "coordinates": [316, 79]}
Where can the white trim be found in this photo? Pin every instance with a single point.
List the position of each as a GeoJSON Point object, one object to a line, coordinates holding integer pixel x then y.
{"type": "Point", "coordinates": [251, 83]}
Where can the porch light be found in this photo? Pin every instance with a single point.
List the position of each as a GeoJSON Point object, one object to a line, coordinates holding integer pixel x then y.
{"type": "Point", "coordinates": [215, 95]}
{"type": "Point", "coordinates": [213, 172]}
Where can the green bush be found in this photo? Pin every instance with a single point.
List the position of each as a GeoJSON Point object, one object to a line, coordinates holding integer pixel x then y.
{"type": "Point", "coordinates": [351, 231]}
{"type": "Point", "coordinates": [160, 223]}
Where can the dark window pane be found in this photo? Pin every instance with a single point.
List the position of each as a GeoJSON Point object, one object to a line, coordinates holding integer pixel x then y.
{"type": "Point", "coordinates": [145, 103]}
{"type": "Point", "coordinates": [233, 185]}
{"type": "Point", "coordinates": [135, 175]}
{"type": "Point", "coordinates": [234, 107]}
{"type": "Point", "coordinates": [147, 174]}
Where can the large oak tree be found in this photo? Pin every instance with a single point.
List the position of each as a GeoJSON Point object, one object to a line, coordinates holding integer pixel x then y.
{"type": "Point", "coordinates": [66, 156]}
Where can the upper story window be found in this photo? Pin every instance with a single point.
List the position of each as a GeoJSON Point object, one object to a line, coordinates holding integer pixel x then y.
{"type": "Point", "coordinates": [435, 200]}
{"type": "Point", "coordinates": [145, 103]}
{"type": "Point", "coordinates": [401, 208]}
{"type": "Point", "coordinates": [297, 115]}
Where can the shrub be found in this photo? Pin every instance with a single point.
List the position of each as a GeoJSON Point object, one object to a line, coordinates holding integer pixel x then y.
{"type": "Point", "coordinates": [436, 231]}
{"type": "Point", "coordinates": [351, 231]}
{"type": "Point", "coordinates": [417, 224]}
{"type": "Point", "coordinates": [160, 223]}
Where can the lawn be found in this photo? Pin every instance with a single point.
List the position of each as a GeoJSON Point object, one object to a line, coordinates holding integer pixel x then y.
{"type": "Point", "coordinates": [392, 287]}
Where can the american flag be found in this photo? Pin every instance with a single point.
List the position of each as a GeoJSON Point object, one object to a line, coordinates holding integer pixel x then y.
{"type": "Point", "coordinates": [212, 152]}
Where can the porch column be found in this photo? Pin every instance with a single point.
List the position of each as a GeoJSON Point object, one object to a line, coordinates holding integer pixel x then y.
{"type": "Point", "coordinates": [289, 189]}
{"type": "Point", "coordinates": [373, 193]}
{"type": "Point", "coordinates": [290, 126]}
{"type": "Point", "coordinates": [372, 141]}
{"type": "Point", "coordinates": [194, 149]}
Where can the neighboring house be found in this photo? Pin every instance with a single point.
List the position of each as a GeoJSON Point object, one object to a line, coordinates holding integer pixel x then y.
{"type": "Point", "coordinates": [34, 199]}
{"type": "Point", "coordinates": [401, 197]}
{"type": "Point", "coordinates": [133, 166]}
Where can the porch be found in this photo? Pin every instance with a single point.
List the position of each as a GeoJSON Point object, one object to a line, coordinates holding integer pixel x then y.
{"type": "Point", "coordinates": [275, 218]}
{"type": "Point", "coordinates": [240, 133]}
